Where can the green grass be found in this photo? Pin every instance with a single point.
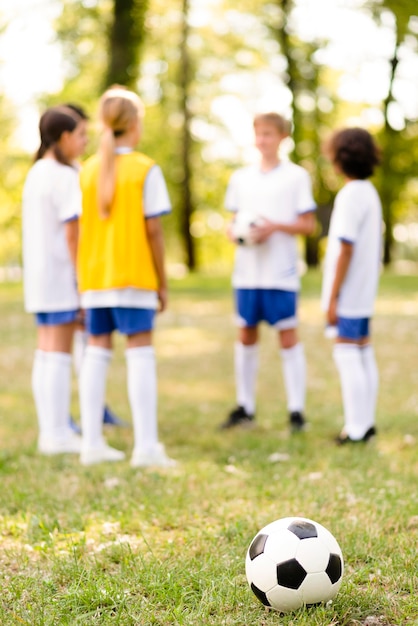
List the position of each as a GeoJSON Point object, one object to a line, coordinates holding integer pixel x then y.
{"type": "Point", "coordinates": [110, 545]}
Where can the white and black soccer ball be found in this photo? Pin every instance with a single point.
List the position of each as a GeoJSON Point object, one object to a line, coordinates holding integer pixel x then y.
{"type": "Point", "coordinates": [242, 228]}
{"type": "Point", "coordinates": [294, 562]}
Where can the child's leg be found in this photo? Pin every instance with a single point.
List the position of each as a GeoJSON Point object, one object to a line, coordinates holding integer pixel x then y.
{"type": "Point", "coordinates": [142, 393]}
{"type": "Point", "coordinates": [92, 394]}
{"type": "Point", "coordinates": [294, 370]}
{"type": "Point", "coordinates": [55, 390]}
{"type": "Point", "coordinates": [354, 387]}
{"type": "Point", "coordinates": [58, 437]}
{"type": "Point", "coordinates": [92, 387]}
{"type": "Point", "coordinates": [38, 380]}
{"type": "Point", "coordinates": [79, 348]}
{"type": "Point", "coordinates": [246, 367]}
{"type": "Point", "coordinates": [372, 377]}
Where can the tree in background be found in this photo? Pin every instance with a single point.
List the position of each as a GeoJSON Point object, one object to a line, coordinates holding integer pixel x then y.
{"type": "Point", "coordinates": [200, 58]}
{"type": "Point", "coordinates": [125, 41]}
{"type": "Point", "coordinates": [186, 142]}
{"type": "Point", "coordinates": [399, 135]}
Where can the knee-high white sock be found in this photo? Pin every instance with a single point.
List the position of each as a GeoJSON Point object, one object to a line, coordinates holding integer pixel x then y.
{"type": "Point", "coordinates": [142, 393]}
{"type": "Point", "coordinates": [246, 366]}
{"type": "Point", "coordinates": [294, 373]}
{"type": "Point", "coordinates": [92, 388]}
{"type": "Point", "coordinates": [353, 380]}
{"type": "Point", "coordinates": [372, 377]}
{"type": "Point", "coordinates": [38, 380]}
{"type": "Point", "coordinates": [79, 348]}
{"type": "Point", "coordinates": [57, 394]}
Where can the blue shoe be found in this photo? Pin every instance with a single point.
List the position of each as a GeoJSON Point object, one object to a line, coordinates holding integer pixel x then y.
{"type": "Point", "coordinates": [74, 426]}
{"type": "Point", "coordinates": [110, 419]}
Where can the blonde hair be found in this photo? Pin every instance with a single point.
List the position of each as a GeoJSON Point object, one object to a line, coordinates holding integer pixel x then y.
{"type": "Point", "coordinates": [119, 108]}
{"type": "Point", "coordinates": [282, 125]}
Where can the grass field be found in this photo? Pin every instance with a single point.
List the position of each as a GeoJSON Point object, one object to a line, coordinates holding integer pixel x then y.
{"type": "Point", "coordinates": [112, 545]}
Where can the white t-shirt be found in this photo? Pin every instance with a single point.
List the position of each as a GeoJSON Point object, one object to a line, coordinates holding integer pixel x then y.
{"type": "Point", "coordinates": [51, 196]}
{"type": "Point", "coordinates": [156, 202]}
{"type": "Point", "coordinates": [356, 219]}
{"type": "Point", "coordinates": [279, 195]}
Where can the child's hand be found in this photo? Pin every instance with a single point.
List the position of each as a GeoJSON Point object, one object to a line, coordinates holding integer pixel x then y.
{"type": "Point", "coordinates": [332, 313]}
{"type": "Point", "coordinates": [261, 230]}
{"type": "Point", "coordinates": [162, 299]}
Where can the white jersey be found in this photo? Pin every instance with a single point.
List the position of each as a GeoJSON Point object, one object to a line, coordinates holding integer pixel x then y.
{"type": "Point", "coordinates": [279, 195]}
{"type": "Point", "coordinates": [356, 219]}
{"type": "Point", "coordinates": [51, 196]}
{"type": "Point", "coordinates": [156, 202]}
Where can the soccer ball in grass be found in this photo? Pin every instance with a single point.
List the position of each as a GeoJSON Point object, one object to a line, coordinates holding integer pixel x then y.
{"type": "Point", "coordinates": [294, 562]}
{"type": "Point", "coordinates": [242, 228]}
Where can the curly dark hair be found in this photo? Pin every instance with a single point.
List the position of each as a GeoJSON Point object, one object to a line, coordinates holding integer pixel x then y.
{"type": "Point", "coordinates": [354, 152]}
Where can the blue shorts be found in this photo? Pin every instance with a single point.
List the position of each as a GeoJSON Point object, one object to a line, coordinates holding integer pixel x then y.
{"type": "Point", "coordinates": [128, 321]}
{"type": "Point", "coordinates": [56, 319]}
{"type": "Point", "coordinates": [354, 328]}
{"type": "Point", "coordinates": [274, 306]}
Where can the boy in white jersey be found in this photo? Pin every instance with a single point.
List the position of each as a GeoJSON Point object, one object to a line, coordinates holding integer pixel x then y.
{"type": "Point", "coordinates": [351, 276]}
{"type": "Point", "coordinates": [274, 196]}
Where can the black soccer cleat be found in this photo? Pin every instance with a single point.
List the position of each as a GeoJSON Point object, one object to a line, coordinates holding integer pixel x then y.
{"type": "Point", "coordinates": [297, 421]}
{"type": "Point", "coordinates": [343, 438]}
{"type": "Point", "coordinates": [238, 417]}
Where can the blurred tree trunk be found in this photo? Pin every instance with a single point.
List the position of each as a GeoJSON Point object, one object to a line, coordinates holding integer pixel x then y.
{"type": "Point", "coordinates": [386, 188]}
{"type": "Point", "coordinates": [126, 35]}
{"type": "Point", "coordinates": [186, 200]}
{"type": "Point", "coordinates": [302, 77]}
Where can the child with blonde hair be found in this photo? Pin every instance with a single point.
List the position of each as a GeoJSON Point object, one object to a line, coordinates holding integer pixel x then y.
{"type": "Point", "coordinates": [274, 200]}
{"type": "Point", "coordinates": [121, 276]}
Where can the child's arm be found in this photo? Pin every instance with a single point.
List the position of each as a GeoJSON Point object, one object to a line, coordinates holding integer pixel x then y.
{"type": "Point", "coordinates": [343, 263]}
{"type": "Point", "coordinates": [156, 242]}
{"type": "Point", "coordinates": [71, 235]}
{"type": "Point", "coordinates": [303, 225]}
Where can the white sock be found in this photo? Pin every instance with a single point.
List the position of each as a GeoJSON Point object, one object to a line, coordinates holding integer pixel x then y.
{"type": "Point", "coordinates": [348, 359]}
{"type": "Point", "coordinates": [57, 395]}
{"type": "Point", "coordinates": [372, 377]}
{"type": "Point", "coordinates": [142, 392]}
{"type": "Point", "coordinates": [38, 380]}
{"type": "Point", "coordinates": [92, 387]}
{"type": "Point", "coordinates": [79, 348]}
{"type": "Point", "coordinates": [294, 373]}
{"type": "Point", "coordinates": [246, 367]}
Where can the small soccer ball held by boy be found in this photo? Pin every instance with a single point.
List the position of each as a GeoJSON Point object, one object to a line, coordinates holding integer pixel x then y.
{"type": "Point", "coordinates": [51, 207]}
{"type": "Point", "coordinates": [272, 204]}
{"type": "Point", "coordinates": [351, 276]}
{"type": "Point", "coordinates": [122, 277]}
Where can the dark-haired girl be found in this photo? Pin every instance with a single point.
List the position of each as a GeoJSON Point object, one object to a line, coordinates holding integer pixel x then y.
{"type": "Point", "coordinates": [351, 276]}
{"type": "Point", "coordinates": [51, 206]}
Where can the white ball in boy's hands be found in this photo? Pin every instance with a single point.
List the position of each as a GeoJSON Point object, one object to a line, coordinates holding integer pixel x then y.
{"type": "Point", "coordinates": [242, 230]}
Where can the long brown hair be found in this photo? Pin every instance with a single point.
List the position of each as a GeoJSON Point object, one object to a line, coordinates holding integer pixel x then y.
{"type": "Point", "coordinates": [118, 109]}
{"type": "Point", "coordinates": [53, 123]}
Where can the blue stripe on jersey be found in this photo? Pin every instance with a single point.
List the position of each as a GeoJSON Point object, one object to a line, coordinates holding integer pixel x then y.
{"type": "Point", "coordinates": [164, 212]}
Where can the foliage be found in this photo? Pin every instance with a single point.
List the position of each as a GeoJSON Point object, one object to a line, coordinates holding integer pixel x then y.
{"type": "Point", "coordinates": [232, 53]}
{"type": "Point", "coordinates": [110, 545]}
{"type": "Point", "coordinates": [125, 39]}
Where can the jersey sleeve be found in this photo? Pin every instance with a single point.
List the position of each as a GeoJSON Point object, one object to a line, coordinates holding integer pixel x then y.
{"type": "Point", "coordinates": [67, 194]}
{"type": "Point", "coordinates": [231, 196]}
{"type": "Point", "coordinates": [349, 215]}
{"type": "Point", "coordinates": [305, 202]}
{"type": "Point", "coordinates": [156, 198]}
